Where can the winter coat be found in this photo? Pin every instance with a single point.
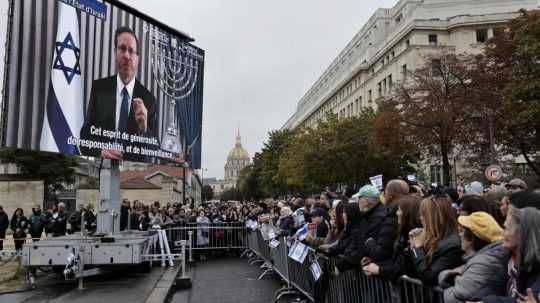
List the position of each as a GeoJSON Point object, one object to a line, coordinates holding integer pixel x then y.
{"type": "Point", "coordinates": [391, 270]}
{"type": "Point", "coordinates": [19, 225]}
{"type": "Point", "coordinates": [447, 255]}
{"type": "Point", "coordinates": [525, 280]}
{"type": "Point", "coordinates": [124, 214]}
{"type": "Point", "coordinates": [37, 223]}
{"type": "Point", "coordinates": [286, 225]}
{"type": "Point", "coordinates": [382, 229]}
{"type": "Point", "coordinates": [4, 224]}
{"type": "Point", "coordinates": [348, 247]}
{"type": "Point", "coordinates": [484, 274]}
{"type": "Point", "coordinates": [58, 223]}
{"type": "Point", "coordinates": [203, 232]}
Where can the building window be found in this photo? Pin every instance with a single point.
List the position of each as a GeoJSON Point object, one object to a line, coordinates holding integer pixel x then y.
{"type": "Point", "coordinates": [379, 89]}
{"type": "Point", "coordinates": [370, 96]}
{"type": "Point", "coordinates": [404, 71]}
{"type": "Point", "coordinates": [408, 43]}
{"type": "Point", "coordinates": [359, 103]}
{"type": "Point", "coordinates": [481, 35]}
{"type": "Point", "coordinates": [432, 39]}
{"type": "Point", "coordinates": [436, 67]}
{"type": "Point", "coordinates": [390, 84]}
{"type": "Point", "coordinates": [356, 106]}
{"type": "Point", "coordinates": [398, 19]}
{"type": "Point", "coordinates": [384, 86]}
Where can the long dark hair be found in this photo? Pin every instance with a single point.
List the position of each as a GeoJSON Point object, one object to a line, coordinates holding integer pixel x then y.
{"type": "Point", "coordinates": [340, 208]}
{"type": "Point", "coordinates": [352, 211]}
{"type": "Point", "coordinates": [410, 219]}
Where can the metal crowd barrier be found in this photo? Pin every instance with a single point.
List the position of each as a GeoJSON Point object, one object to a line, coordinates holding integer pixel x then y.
{"type": "Point", "coordinates": [211, 236]}
{"type": "Point", "coordinates": [344, 287]}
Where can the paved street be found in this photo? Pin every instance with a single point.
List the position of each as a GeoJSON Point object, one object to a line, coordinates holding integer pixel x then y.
{"type": "Point", "coordinates": [122, 286]}
{"type": "Point", "coordinates": [228, 280]}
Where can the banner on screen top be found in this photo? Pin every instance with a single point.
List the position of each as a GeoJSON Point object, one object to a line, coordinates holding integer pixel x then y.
{"type": "Point", "coordinates": [89, 78]}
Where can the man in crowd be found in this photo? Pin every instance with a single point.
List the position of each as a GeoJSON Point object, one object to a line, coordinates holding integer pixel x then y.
{"type": "Point", "coordinates": [59, 221]}
{"type": "Point", "coordinates": [4, 224]}
{"type": "Point", "coordinates": [516, 185]}
{"type": "Point", "coordinates": [120, 102]}
{"type": "Point", "coordinates": [375, 244]}
{"type": "Point", "coordinates": [37, 223]}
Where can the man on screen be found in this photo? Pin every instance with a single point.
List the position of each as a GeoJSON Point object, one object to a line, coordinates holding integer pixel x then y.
{"type": "Point", "coordinates": [120, 104]}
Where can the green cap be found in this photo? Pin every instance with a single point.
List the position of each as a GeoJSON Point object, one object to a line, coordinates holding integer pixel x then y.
{"type": "Point", "coordinates": [368, 191]}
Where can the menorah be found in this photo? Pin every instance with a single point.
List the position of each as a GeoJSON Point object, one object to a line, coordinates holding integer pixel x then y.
{"type": "Point", "coordinates": [175, 66]}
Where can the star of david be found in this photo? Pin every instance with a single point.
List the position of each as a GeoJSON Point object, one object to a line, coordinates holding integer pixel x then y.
{"type": "Point", "coordinates": [67, 44]}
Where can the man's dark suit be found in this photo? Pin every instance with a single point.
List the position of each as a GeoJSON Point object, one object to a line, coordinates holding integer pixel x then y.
{"type": "Point", "coordinates": [102, 113]}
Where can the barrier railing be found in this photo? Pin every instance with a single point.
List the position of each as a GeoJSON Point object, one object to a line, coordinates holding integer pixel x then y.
{"type": "Point", "coordinates": [332, 287]}
{"type": "Point", "coordinates": [209, 236]}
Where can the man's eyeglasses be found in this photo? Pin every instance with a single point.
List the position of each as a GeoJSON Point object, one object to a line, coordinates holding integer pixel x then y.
{"type": "Point", "coordinates": [125, 49]}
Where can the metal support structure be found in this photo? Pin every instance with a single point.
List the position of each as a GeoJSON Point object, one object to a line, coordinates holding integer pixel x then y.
{"type": "Point", "coordinates": [109, 198]}
{"type": "Point", "coordinates": [190, 239]}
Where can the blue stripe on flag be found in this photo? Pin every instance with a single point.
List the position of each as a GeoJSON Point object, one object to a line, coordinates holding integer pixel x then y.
{"type": "Point", "coordinates": [58, 124]}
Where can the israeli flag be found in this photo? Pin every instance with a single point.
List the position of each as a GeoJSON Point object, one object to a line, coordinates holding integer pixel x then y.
{"type": "Point", "coordinates": [64, 111]}
{"type": "Point", "coordinates": [301, 234]}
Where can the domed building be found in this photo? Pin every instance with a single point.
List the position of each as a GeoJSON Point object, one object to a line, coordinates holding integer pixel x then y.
{"type": "Point", "coordinates": [236, 161]}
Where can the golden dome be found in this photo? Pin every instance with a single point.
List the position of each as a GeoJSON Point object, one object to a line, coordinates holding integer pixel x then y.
{"type": "Point", "coordinates": [238, 152]}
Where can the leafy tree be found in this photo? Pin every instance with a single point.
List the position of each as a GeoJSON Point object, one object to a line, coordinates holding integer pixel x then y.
{"type": "Point", "coordinates": [510, 71]}
{"type": "Point", "coordinates": [231, 194]}
{"type": "Point", "coordinates": [435, 106]}
{"type": "Point", "coordinates": [56, 170]}
{"type": "Point", "coordinates": [207, 193]}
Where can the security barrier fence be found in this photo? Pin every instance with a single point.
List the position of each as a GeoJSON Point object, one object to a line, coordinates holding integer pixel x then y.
{"type": "Point", "coordinates": [332, 287]}
{"type": "Point", "coordinates": [208, 236]}
{"type": "Point", "coordinates": [273, 254]}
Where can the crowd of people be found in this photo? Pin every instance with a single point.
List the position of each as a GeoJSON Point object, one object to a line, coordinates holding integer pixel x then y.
{"type": "Point", "coordinates": [478, 245]}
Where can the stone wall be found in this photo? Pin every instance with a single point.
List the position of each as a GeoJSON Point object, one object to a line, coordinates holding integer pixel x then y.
{"type": "Point", "coordinates": [147, 196]}
{"type": "Point", "coordinates": [23, 194]}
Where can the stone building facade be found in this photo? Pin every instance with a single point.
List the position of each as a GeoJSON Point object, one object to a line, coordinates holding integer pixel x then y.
{"type": "Point", "coordinates": [237, 159]}
{"type": "Point", "coordinates": [397, 40]}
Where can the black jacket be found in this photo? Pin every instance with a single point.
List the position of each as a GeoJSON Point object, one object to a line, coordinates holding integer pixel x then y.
{"type": "Point", "coordinates": [391, 270]}
{"type": "Point", "coordinates": [530, 280]}
{"type": "Point", "coordinates": [348, 247]}
{"type": "Point", "coordinates": [58, 224]}
{"type": "Point", "coordinates": [4, 224]}
{"type": "Point", "coordinates": [19, 226]}
{"type": "Point", "coordinates": [124, 213]}
{"type": "Point", "coordinates": [382, 228]}
{"type": "Point", "coordinates": [447, 255]}
{"type": "Point", "coordinates": [102, 114]}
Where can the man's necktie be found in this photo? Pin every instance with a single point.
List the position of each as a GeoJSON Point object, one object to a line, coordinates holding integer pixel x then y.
{"type": "Point", "coordinates": [124, 111]}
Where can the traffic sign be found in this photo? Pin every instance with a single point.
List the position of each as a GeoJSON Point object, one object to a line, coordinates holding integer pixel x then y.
{"type": "Point", "coordinates": [494, 173]}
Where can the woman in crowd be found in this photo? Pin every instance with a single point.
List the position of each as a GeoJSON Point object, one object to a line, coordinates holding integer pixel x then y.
{"type": "Point", "coordinates": [484, 272]}
{"type": "Point", "coordinates": [348, 247]}
{"type": "Point", "coordinates": [522, 240]}
{"type": "Point", "coordinates": [337, 224]}
{"type": "Point", "coordinates": [19, 225]}
{"type": "Point", "coordinates": [469, 204]}
{"type": "Point", "coordinates": [436, 246]}
{"type": "Point", "coordinates": [286, 221]}
{"type": "Point", "coordinates": [203, 232]}
{"type": "Point", "coordinates": [408, 219]}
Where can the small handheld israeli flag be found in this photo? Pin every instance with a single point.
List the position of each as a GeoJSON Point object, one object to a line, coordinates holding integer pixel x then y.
{"type": "Point", "coordinates": [377, 181]}
{"type": "Point", "coordinates": [301, 234]}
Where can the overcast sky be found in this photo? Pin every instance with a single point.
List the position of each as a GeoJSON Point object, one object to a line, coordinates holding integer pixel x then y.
{"type": "Point", "coordinates": [261, 57]}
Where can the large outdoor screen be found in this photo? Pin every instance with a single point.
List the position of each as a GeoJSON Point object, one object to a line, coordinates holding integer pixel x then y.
{"type": "Point", "coordinates": [98, 78]}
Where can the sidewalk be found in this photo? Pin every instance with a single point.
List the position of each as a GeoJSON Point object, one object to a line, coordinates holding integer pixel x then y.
{"type": "Point", "coordinates": [228, 280]}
